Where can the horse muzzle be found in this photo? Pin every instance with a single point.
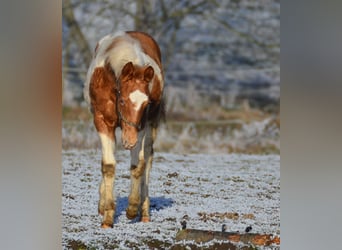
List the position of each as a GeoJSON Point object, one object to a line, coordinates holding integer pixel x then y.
{"type": "Point", "coordinates": [129, 137]}
{"type": "Point", "coordinates": [128, 145]}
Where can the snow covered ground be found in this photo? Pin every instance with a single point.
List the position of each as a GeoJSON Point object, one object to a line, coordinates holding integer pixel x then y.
{"type": "Point", "coordinates": [205, 190]}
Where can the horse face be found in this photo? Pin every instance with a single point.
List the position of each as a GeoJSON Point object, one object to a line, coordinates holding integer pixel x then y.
{"type": "Point", "coordinates": [134, 97]}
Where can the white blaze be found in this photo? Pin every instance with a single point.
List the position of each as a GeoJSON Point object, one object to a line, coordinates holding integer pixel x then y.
{"type": "Point", "coordinates": [137, 98]}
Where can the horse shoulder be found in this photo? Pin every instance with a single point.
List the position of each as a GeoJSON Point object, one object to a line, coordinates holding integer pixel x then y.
{"type": "Point", "coordinates": [102, 94]}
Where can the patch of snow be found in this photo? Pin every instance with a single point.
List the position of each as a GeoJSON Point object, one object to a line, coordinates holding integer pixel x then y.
{"type": "Point", "coordinates": [181, 187]}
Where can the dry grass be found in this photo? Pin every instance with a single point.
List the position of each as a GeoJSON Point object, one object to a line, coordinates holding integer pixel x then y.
{"type": "Point", "coordinates": [228, 131]}
{"type": "Point", "coordinates": [76, 114]}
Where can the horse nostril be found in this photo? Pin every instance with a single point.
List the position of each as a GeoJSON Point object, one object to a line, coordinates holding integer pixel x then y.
{"type": "Point", "coordinates": [127, 144]}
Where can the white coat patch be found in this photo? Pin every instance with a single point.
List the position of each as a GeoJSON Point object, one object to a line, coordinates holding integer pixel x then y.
{"type": "Point", "coordinates": [137, 98]}
{"type": "Point", "coordinates": [107, 149]}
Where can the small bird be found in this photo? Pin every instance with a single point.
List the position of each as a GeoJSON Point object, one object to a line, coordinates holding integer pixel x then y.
{"type": "Point", "coordinates": [249, 228]}
{"type": "Point", "coordinates": [224, 228]}
{"type": "Point", "coordinates": [183, 223]}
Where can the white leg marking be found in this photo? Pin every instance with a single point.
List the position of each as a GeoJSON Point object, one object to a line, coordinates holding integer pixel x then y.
{"type": "Point", "coordinates": [137, 98]}
{"type": "Point", "coordinates": [141, 153]}
{"type": "Point", "coordinates": [144, 190]}
{"type": "Point", "coordinates": [107, 149]}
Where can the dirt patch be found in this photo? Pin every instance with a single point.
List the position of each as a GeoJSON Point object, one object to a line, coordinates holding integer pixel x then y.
{"type": "Point", "coordinates": [76, 245]}
{"type": "Point", "coordinates": [213, 246]}
{"type": "Point", "coordinates": [172, 175]}
{"type": "Point", "coordinates": [228, 215]}
{"type": "Point", "coordinates": [158, 244]}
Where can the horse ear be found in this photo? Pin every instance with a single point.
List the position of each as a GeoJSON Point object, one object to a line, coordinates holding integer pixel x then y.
{"type": "Point", "coordinates": [148, 74]}
{"type": "Point", "coordinates": [127, 70]}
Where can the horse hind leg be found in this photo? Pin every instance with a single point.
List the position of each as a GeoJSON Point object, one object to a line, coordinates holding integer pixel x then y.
{"type": "Point", "coordinates": [137, 170]}
{"type": "Point", "coordinates": [145, 199]}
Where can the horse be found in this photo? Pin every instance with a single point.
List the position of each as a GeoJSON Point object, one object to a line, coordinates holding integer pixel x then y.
{"type": "Point", "coordinates": [124, 89]}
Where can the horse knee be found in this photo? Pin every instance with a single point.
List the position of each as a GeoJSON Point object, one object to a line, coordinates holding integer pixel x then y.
{"type": "Point", "coordinates": [137, 171]}
{"type": "Point", "coordinates": [108, 170]}
{"type": "Point", "coordinates": [110, 205]}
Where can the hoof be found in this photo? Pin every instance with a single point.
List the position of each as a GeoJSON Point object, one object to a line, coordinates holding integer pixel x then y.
{"type": "Point", "coordinates": [105, 226]}
{"type": "Point", "coordinates": [145, 219]}
{"type": "Point", "coordinates": [131, 214]}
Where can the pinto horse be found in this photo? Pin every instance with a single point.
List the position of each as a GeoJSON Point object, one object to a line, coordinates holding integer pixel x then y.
{"type": "Point", "coordinates": [124, 88]}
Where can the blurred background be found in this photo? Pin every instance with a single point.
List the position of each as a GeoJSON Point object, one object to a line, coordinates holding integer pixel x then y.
{"type": "Point", "coordinates": [221, 63]}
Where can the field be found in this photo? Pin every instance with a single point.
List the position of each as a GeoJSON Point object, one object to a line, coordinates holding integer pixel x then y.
{"type": "Point", "coordinates": [216, 156]}
{"type": "Point", "coordinates": [206, 190]}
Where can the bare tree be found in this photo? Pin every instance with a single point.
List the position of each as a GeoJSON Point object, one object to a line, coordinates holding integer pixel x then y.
{"type": "Point", "coordinates": [158, 18]}
{"type": "Point", "coordinates": [87, 21]}
{"type": "Point", "coordinates": [75, 35]}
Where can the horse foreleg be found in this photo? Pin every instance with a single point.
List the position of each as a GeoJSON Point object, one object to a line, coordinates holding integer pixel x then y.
{"type": "Point", "coordinates": [141, 164]}
{"type": "Point", "coordinates": [134, 197]}
{"type": "Point", "coordinates": [145, 199]}
{"type": "Point", "coordinates": [107, 202]}
{"type": "Point", "coordinates": [138, 166]}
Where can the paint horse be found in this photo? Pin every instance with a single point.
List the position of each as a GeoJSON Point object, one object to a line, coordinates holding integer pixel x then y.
{"type": "Point", "coordinates": [124, 88]}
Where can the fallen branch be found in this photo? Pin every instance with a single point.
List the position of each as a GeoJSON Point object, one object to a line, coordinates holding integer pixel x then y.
{"type": "Point", "coordinates": [204, 236]}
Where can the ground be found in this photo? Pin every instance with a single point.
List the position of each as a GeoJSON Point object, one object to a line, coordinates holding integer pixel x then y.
{"type": "Point", "coordinates": [207, 191]}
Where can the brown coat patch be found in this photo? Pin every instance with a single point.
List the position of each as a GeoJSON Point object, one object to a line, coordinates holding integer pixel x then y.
{"type": "Point", "coordinates": [103, 99]}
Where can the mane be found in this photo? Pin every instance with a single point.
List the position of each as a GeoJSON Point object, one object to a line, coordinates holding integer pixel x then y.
{"type": "Point", "coordinates": [126, 49]}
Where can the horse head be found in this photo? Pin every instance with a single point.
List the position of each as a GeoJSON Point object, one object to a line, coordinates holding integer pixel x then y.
{"type": "Point", "coordinates": [132, 100]}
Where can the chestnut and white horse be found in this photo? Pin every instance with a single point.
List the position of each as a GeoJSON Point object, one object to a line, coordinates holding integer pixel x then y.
{"type": "Point", "coordinates": [124, 88]}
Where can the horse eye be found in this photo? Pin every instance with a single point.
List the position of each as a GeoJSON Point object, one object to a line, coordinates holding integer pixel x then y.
{"type": "Point", "coordinates": [122, 102]}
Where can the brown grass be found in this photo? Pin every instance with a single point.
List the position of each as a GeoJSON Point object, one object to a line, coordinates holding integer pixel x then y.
{"type": "Point", "coordinates": [76, 114]}
{"type": "Point", "coordinates": [187, 132]}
